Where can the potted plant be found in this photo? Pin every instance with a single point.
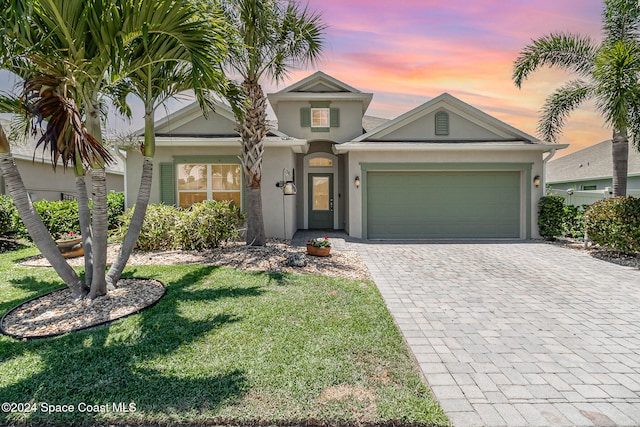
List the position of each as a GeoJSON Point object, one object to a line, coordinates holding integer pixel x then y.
{"type": "Point", "coordinates": [319, 247]}
{"type": "Point", "coordinates": [70, 245]}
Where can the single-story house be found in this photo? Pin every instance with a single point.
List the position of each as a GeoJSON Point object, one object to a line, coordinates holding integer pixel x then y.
{"type": "Point", "coordinates": [591, 169]}
{"type": "Point", "coordinates": [444, 170]}
{"type": "Point", "coordinates": [42, 182]}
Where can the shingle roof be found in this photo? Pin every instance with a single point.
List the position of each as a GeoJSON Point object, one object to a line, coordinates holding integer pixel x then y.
{"type": "Point", "coordinates": [369, 123]}
{"type": "Point", "coordinates": [589, 163]}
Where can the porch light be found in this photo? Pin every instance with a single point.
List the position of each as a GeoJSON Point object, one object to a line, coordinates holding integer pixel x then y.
{"type": "Point", "coordinates": [357, 182]}
{"type": "Point", "coordinates": [536, 181]}
{"type": "Point", "coordinates": [287, 185]}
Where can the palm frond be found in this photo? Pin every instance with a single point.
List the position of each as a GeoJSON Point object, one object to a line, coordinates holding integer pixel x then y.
{"type": "Point", "coordinates": [566, 51]}
{"type": "Point", "coordinates": [559, 105]}
{"type": "Point", "coordinates": [621, 20]}
{"type": "Point", "coordinates": [65, 134]}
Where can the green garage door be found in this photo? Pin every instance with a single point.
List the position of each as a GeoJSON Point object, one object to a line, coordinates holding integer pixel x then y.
{"type": "Point", "coordinates": [443, 205]}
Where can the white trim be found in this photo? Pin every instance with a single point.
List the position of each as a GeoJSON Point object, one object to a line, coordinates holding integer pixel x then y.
{"type": "Point", "coordinates": [226, 142]}
{"type": "Point", "coordinates": [445, 146]}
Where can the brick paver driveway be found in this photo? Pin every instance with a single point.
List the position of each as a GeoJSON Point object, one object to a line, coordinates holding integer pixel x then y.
{"type": "Point", "coordinates": [517, 333]}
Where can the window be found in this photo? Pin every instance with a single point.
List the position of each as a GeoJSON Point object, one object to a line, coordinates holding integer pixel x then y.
{"type": "Point", "coordinates": [442, 123]}
{"type": "Point", "coordinates": [320, 118]}
{"type": "Point", "coordinates": [589, 187]}
{"type": "Point", "coordinates": [322, 162]}
{"type": "Point", "coordinates": [198, 182]}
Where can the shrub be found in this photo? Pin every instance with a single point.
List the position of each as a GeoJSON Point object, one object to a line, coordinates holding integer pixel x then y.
{"type": "Point", "coordinates": [6, 215]}
{"type": "Point", "coordinates": [615, 224]}
{"type": "Point", "coordinates": [115, 209]}
{"type": "Point", "coordinates": [572, 225]}
{"type": "Point", "coordinates": [207, 224]}
{"type": "Point", "coordinates": [158, 230]}
{"type": "Point", "coordinates": [551, 216]}
{"type": "Point", "coordinates": [59, 217]}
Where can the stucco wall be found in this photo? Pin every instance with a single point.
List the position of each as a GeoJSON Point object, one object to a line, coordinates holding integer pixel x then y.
{"type": "Point", "coordinates": [350, 121]}
{"type": "Point", "coordinates": [356, 158]}
{"type": "Point", "coordinates": [274, 160]}
{"type": "Point", "coordinates": [44, 184]}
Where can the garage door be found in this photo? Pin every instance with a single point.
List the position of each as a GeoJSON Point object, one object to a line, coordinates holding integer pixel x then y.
{"type": "Point", "coordinates": [443, 205]}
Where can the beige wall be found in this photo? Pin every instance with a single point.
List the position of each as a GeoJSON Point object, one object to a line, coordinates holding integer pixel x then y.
{"type": "Point", "coordinates": [44, 184]}
{"type": "Point", "coordinates": [350, 121]}
{"type": "Point", "coordinates": [274, 160]}
{"type": "Point", "coordinates": [355, 159]}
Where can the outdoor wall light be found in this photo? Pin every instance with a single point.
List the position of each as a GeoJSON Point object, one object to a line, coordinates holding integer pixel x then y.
{"type": "Point", "coordinates": [536, 181]}
{"type": "Point", "coordinates": [287, 185]}
{"type": "Point", "coordinates": [357, 182]}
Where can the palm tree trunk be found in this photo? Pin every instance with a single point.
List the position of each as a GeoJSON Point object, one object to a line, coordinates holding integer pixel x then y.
{"type": "Point", "coordinates": [620, 157]}
{"type": "Point", "coordinates": [253, 128]}
{"type": "Point", "coordinates": [38, 232]}
{"type": "Point", "coordinates": [85, 227]}
{"type": "Point", "coordinates": [135, 226]}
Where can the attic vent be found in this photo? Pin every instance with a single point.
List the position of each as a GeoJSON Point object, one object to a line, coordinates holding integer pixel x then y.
{"type": "Point", "coordinates": [442, 123]}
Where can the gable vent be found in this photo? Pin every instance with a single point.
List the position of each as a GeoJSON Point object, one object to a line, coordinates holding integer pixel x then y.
{"type": "Point", "coordinates": [442, 123]}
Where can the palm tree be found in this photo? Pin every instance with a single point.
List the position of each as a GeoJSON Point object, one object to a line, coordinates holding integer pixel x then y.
{"type": "Point", "coordinates": [608, 73]}
{"type": "Point", "coordinates": [273, 37]}
{"type": "Point", "coordinates": [70, 53]}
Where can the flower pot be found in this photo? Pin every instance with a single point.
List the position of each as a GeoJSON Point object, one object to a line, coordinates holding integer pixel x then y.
{"type": "Point", "coordinates": [316, 251]}
{"type": "Point", "coordinates": [70, 248]}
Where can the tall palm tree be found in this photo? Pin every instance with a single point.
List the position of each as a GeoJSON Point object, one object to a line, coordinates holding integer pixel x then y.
{"type": "Point", "coordinates": [70, 53]}
{"type": "Point", "coordinates": [608, 73]}
{"type": "Point", "coordinates": [273, 37]}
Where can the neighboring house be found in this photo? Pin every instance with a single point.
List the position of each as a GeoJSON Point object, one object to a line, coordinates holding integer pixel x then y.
{"type": "Point", "coordinates": [591, 169]}
{"type": "Point", "coordinates": [444, 170]}
{"type": "Point", "coordinates": [42, 182]}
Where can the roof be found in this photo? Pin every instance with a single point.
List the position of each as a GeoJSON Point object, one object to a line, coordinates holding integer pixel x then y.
{"type": "Point", "coordinates": [26, 150]}
{"type": "Point", "coordinates": [369, 123]}
{"type": "Point", "coordinates": [594, 162]}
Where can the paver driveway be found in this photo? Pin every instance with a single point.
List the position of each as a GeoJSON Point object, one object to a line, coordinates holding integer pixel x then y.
{"type": "Point", "coordinates": [517, 333]}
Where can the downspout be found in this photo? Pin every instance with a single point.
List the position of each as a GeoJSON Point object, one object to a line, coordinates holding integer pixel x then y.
{"type": "Point", "coordinates": [544, 170]}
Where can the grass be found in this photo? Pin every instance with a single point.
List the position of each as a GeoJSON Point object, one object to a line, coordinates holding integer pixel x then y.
{"type": "Point", "coordinates": [223, 346]}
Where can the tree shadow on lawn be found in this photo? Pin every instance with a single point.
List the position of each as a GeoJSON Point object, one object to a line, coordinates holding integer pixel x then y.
{"type": "Point", "coordinates": [132, 361]}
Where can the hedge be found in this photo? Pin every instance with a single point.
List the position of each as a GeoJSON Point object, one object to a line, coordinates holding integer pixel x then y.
{"type": "Point", "coordinates": [614, 224]}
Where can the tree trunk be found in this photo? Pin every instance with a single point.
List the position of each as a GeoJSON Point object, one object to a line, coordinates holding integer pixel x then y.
{"type": "Point", "coordinates": [38, 232]}
{"type": "Point", "coordinates": [135, 226]}
{"type": "Point", "coordinates": [99, 231]}
{"type": "Point", "coordinates": [85, 227]}
{"type": "Point", "coordinates": [620, 157]}
{"type": "Point", "coordinates": [253, 128]}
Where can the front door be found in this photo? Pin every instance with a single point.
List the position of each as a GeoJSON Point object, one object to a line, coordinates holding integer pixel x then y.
{"type": "Point", "coordinates": [321, 201]}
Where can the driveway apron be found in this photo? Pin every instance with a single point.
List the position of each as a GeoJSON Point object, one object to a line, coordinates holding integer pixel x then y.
{"type": "Point", "coordinates": [517, 334]}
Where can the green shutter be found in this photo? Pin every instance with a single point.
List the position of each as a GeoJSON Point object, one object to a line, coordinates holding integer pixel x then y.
{"type": "Point", "coordinates": [334, 117]}
{"type": "Point", "coordinates": [305, 117]}
{"type": "Point", "coordinates": [167, 184]}
{"type": "Point", "coordinates": [442, 123]}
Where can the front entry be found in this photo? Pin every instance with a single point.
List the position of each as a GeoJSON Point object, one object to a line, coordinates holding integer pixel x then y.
{"type": "Point", "coordinates": [321, 201]}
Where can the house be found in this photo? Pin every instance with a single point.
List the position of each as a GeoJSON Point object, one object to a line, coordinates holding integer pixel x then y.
{"type": "Point", "coordinates": [42, 182]}
{"type": "Point", "coordinates": [444, 170]}
{"type": "Point", "coordinates": [591, 169]}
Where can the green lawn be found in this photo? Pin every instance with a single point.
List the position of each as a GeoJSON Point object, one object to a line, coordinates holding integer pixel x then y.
{"type": "Point", "coordinates": [222, 346]}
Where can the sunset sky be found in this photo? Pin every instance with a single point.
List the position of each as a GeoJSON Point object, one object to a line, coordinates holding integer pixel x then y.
{"type": "Point", "coordinates": [407, 52]}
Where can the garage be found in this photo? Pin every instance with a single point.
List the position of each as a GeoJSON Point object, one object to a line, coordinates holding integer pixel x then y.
{"type": "Point", "coordinates": [443, 204]}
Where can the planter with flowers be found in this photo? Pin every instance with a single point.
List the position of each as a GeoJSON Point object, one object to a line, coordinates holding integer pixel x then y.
{"type": "Point", "coordinates": [70, 245]}
{"type": "Point", "coordinates": [319, 247]}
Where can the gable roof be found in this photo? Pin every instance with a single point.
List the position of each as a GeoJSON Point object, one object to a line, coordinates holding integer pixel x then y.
{"type": "Point", "coordinates": [319, 87]}
{"type": "Point", "coordinates": [594, 162]}
{"type": "Point", "coordinates": [445, 101]}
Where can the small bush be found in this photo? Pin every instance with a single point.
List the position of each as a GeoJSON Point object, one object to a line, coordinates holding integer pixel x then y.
{"type": "Point", "coordinates": [6, 215]}
{"type": "Point", "coordinates": [115, 209]}
{"type": "Point", "coordinates": [551, 216]}
{"type": "Point", "coordinates": [615, 224]}
{"type": "Point", "coordinates": [572, 225]}
{"type": "Point", "coordinates": [59, 217]}
{"type": "Point", "coordinates": [158, 230]}
{"type": "Point", "coordinates": [207, 224]}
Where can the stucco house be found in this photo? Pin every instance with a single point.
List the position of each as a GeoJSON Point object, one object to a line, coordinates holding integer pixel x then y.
{"type": "Point", "coordinates": [42, 182]}
{"type": "Point", "coordinates": [591, 169]}
{"type": "Point", "coordinates": [444, 170]}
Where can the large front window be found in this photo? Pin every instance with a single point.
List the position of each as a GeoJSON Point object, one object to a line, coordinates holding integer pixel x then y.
{"type": "Point", "coordinates": [320, 118]}
{"type": "Point", "coordinates": [198, 182]}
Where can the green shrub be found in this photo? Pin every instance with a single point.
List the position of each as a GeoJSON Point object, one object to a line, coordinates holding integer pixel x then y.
{"type": "Point", "coordinates": [115, 209]}
{"type": "Point", "coordinates": [207, 224]}
{"type": "Point", "coordinates": [572, 225]}
{"type": "Point", "coordinates": [158, 230]}
{"type": "Point", "coordinates": [614, 224]}
{"type": "Point", "coordinates": [59, 217]}
{"type": "Point", "coordinates": [6, 215]}
{"type": "Point", "coordinates": [551, 216]}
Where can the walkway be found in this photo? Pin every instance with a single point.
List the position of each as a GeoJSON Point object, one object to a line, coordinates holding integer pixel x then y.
{"type": "Point", "coordinates": [519, 334]}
